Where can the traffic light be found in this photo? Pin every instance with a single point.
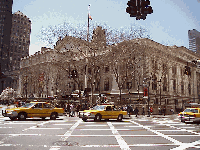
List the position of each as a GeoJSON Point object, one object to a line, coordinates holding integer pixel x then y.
{"type": "Point", "coordinates": [139, 8]}
{"type": "Point", "coordinates": [187, 70]}
{"type": "Point", "coordinates": [74, 74]}
{"type": "Point", "coordinates": [132, 9]}
{"type": "Point", "coordinates": [145, 91]}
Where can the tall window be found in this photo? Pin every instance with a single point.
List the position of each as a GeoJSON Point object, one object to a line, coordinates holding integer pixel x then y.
{"type": "Point", "coordinates": [165, 84]}
{"type": "Point", "coordinates": [189, 89]}
{"type": "Point", "coordinates": [106, 85]}
{"type": "Point", "coordinates": [174, 85]}
{"type": "Point", "coordinates": [174, 70]}
{"type": "Point", "coordinates": [154, 83]}
{"type": "Point", "coordinates": [182, 87]}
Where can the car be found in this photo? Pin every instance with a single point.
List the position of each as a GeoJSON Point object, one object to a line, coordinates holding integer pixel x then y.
{"type": "Point", "coordinates": [102, 112]}
{"type": "Point", "coordinates": [190, 115]}
{"type": "Point", "coordinates": [33, 109]}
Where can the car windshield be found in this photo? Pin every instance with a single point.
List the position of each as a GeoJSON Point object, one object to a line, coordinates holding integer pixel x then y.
{"type": "Point", "coordinates": [191, 110]}
{"type": "Point", "coordinates": [28, 105]}
{"type": "Point", "coordinates": [99, 107]}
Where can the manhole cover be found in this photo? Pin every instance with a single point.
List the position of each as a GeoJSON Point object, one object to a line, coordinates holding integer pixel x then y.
{"type": "Point", "coordinates": [65, 143]}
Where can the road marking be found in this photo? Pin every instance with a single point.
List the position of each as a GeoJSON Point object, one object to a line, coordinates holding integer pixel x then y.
{"type": "Point", "coordinates": [66, 135]}
{"type": "Point", "coordinates": [141, 145]}
{"type": "Point", "coordinates": [110, 129]}
{"type": "Point", "coordinates": [187, 127]}
{"type": "Point", "coordinates": [44, 128]}
{"type": "Point", "coordinates": [96, 125]}
{"type": "Point", "coordinates": [114, 123]}
{"type": "Point", "coordinates": [81, 135]}
{"type": "Point", "coordinates": [188, 145]}
{"type": "Point", "coordinates": [36, 126]}
{"type": "Point", "coordinates": [123, 145]}
{"type": "Point", "coordinates": [6, 127]}
{"type": "Point", "coordinates": [136, 126]}
{"type": "Point", "coordinates": [62, 124]}
{"type": "Point", "coordinates": [20, 123]}
{"type": "Point", "coordinates": [159, 133]}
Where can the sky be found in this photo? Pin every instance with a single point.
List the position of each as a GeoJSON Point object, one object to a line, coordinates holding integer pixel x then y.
{"type": "Point", "coordinates": [168, 24]}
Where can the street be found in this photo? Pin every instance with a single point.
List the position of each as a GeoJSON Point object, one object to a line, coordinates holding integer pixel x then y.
{"type": "Point", "coordinates": [155, 132]}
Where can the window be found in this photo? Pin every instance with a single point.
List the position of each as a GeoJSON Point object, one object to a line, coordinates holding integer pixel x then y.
{"type": "Point", "coordinates": [174, 85]}
{"type": "Point", "coordinates": [154, 83]}
{"type": "Point", "coordinates": [106, 85]}
{"type": "Point", "coordinates": [46, 105]}
{"type": "Point", "coordinates": [189, 89]}
{"type": "Point", "coordinates": [39, 105]}
{"type": "Point", "coordinates": [106, 69]}
{"type": "Point", "coordinates": [165, 84]}
{"type": "Point", "coordinates": [182, 87]}
{"type": "Point", "coordinates": [128, 85]}
{"type": "Point", "coordinates": [174, 70]}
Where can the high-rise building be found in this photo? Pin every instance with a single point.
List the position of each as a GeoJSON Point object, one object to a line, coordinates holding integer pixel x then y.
{"type": "Point", "coordinates": [20, 39]}
{"type": "Point", "coordinates": [5, 31]}
{"type": "Point", "coordinates": [194, 40]}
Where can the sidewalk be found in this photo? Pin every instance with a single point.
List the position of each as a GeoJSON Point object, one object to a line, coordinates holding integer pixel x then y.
{"type": "Point", "coordinates": [154, 116]}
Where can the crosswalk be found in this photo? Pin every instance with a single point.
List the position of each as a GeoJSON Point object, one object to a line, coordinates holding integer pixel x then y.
{"type": "Point", "coordinates": [132, 133]}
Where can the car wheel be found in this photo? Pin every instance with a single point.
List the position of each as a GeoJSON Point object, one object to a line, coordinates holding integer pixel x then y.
{"type": "Point", "coordinates": [53, 116]}
{"type": "Point", "coordinates": [84, 119]}
{"type": "Point", "coordinates": [22, 116]}
{"type": "Point", "coordinates": [98, 117]}
{"type": "Point", "coordinates": [13, 118]}
{"type": "Point", "coordinates": [120, 117]}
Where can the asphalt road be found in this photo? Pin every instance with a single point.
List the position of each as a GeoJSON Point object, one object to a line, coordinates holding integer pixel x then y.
{"type": "Point", "coordinates": [156, 132]}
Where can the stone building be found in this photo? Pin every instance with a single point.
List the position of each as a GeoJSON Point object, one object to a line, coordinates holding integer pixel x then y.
{"type": "Point", "coordinates": [120, 71]}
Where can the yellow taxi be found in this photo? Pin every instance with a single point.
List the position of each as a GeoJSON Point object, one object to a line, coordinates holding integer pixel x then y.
{"type": "Point", "coordinates": [190, 115]}
{"type": "Point", "coordinates": [33, 109]}
{"type": "Point", "coordinates": [102, 112]}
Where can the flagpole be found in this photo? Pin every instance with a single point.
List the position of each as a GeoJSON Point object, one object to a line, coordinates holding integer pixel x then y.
{"type": "Point", "coordinates": [86, 68]}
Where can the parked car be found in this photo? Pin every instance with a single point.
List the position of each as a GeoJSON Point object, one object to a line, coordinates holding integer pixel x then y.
{"type": "Point", "coordinates": [190, 115]}
{"type": "Point", "coordinates": [102, 112]}
{"type": "Point", "coordinates": [33, 109]}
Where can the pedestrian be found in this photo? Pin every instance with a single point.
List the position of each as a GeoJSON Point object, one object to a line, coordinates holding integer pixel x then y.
{"type": "Point", "coordinates": [164, 110]}
{"type": "Point", "coordinates": [136, 111]}
{"type": "Point", "coordinates": [143, 112]}
{"type": "Point", "coordinates": [159, 110]}
{"type": "Point", "coordinates": [68, 109]}
{"type": "Point", "coordinates": [78, 109]}
{"type": "Point", "coordinates": [151, 110]}
{"type": "Point", "coordinates": [172, 110]}
{"type": "Point", "coordinates": [72, 110]}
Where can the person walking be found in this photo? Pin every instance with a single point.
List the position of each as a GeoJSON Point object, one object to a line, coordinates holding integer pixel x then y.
{"type": "Point", "coordinates": [77, 109]}
{"type": "Point", "coordinates": [159, 110]}
{"type": "Point", "coordinates": [164, 110]}
{"type": "Point", "coordinates": [72, 110]}
{"type": "Point", "coordinates": [172, 110]}
{"type": "Point", "coordinates": [143, 112]}
{"type": "Point", "coordinates": [136, 111]}
{"type": "Point", "coordinates": [151, 110]}
{"type": "Point", "coordinates": [68, 109]}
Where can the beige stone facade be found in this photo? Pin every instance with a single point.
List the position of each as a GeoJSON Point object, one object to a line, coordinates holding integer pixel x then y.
{"type": "Point", "coordinates": [111, 70]}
